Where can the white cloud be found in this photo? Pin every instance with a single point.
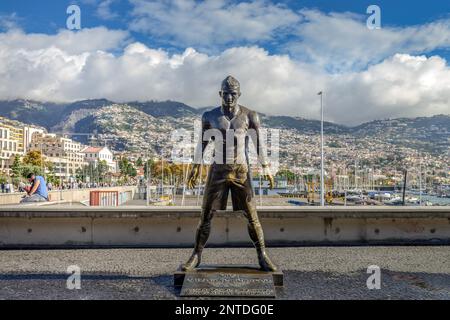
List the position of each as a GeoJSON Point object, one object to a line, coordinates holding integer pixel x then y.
{"type": "Point", "coordinates": [9, 21]}
{"type": "Point", "coordinates": [72, 42]}
{"type": "Point", "coordinates": [402, 85]}
{"type": "Point", "coordinates": [342, 42]}
{"type": "Point", "coordinates": [104, 10]}
{"type": "Point", "coordinates": [210, 24]}
{"type": "Point", "coordinates": [55, 68]}
{"type": "Point", "coordinates": [338, 42]}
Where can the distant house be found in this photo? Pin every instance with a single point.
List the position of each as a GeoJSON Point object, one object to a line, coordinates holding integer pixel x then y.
{"type": "Point", "coordinates": [96, 154]}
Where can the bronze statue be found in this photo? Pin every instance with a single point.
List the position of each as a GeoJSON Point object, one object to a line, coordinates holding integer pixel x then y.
{"type": "Point", "coordinates": [233, 174]}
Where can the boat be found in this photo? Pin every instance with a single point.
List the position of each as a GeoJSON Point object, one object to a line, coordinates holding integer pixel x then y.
{"type": "Point", "coordinates": [395, 201]}
{"type": "Point", "coordinates": [164, 200]}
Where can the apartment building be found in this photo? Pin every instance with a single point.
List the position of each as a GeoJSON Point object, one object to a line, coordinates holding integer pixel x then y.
{"type": "Point", "coordinates": [14, 140]}
{"type": "Point", "coordinates": [65, 154]}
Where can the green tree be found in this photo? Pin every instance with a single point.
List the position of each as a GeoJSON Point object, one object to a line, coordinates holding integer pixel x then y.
{"type": "Point", "coordinates": [33, 158]}
{"type": "Point", "coordinates": [123, 166]}
{"type": "Point", "coordinates": [102, 170]}
{"type": "Point", "coordinates": [16, 167]}
{"type": "Point", "coordinates": [27, 169]}
{"type": "Point", "coordinates": [91, 172]}
{"type": "Point", "coordinates": [3, 179]}
{"type": "Point", "coordinates": [139, 162]}
{"type": "Point", "coordinates": [132, 172]}
{"type": "Point", "coordinates": [80, 174]}
{"type": "Point", "coordinates": [148, 165]}
{"type": "Point", "coordinates": [50, 167]}
{"type": "Point", "coordinates": [126, 168]}
{"type": "Point", "coordinates": [52, 179]}
{"type": "Point", "coordinates": [286, 173]}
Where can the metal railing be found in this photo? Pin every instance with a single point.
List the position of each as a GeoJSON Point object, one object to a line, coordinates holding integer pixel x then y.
{"type": "Point", "coordinates": [109, 198]}
{"type": "Point", "coordinates": [104, 198]}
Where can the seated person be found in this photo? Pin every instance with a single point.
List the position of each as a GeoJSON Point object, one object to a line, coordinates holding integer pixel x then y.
{"type": "Point", "coordinates": [38, 192]}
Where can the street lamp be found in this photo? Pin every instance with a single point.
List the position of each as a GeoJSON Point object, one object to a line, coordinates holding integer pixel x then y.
{"type": "Point", "coordinates": [322, 195]}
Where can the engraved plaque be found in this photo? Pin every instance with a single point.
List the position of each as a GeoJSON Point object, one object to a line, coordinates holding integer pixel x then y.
{"type": "Point", "coordinates": [211, 284]}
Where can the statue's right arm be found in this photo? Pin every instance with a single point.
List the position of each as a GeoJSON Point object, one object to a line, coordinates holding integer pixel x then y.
{"type": "Point", "coordinates": [201, 144]}
{"type": "Point", "coordinates": [199, 152]}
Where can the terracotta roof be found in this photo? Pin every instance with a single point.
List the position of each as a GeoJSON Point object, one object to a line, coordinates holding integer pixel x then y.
{"type": "Point", "coordinates": [92, 149]}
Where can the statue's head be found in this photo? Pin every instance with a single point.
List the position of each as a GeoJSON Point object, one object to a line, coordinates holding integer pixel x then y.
{"type": "Point", "coordinates": [230, 91]}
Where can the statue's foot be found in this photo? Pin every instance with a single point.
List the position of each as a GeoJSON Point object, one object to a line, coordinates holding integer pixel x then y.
{"type": "Point", "coordinates": [265, 263]}
{"type": "Point", "coordinates": [193, 262]}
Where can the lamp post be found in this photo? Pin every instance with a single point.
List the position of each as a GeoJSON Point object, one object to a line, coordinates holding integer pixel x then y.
{"type": "Point", "coordinates": [322, 194]}
{"type": "Point", "coordinates": [148, 182]}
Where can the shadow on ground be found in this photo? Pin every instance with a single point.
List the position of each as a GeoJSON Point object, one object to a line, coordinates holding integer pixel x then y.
{"type": "Point", "coordinates": [297, 285]}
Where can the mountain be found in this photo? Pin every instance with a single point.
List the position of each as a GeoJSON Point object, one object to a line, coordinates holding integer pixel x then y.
{"type": "Point", "coordinates": [301, 124]}
{"type": "Point", "coordinates": [85, 105]}
{"type": "Point", "coordinates": [62, 117]}
{"type": "Point", "coordinates": [164, 108]}
{"type": "Point", "coordinates": [32, 112]}
{"type": "Point", "coordinates": [430, 134]}
{"type": "Point", "coordinates": [148, 125]}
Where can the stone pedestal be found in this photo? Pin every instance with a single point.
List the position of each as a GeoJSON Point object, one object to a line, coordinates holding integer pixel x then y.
{"type": "Point", "coordinates": [228, 281]}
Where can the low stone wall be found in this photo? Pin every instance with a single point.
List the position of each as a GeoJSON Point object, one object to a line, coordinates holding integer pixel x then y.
{"type": "Point", "coordinates": [175, 226]}
{"type": "Point", "coordinates": [70, 195]}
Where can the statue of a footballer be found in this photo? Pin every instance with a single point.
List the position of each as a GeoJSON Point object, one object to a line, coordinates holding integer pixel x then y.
{"type": "Point", "coordinates": [229, 172]}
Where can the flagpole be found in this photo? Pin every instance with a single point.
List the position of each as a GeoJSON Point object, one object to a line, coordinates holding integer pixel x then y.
{"type": "Point", "coordinates": [322, 193]}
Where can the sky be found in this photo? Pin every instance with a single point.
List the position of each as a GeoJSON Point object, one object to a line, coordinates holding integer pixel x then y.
{"type": "Point", "coordinates": [282, 52]}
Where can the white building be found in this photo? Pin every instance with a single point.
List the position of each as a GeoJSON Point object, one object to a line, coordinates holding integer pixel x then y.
{"type": "Point", "coordinates": [9, 148]}
{"type": "Point", "coordinates": [96, 154]}
{"type": "Point", "coordinates": [28, 134]}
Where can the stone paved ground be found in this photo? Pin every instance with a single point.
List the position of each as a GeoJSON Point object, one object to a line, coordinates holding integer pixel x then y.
{"type": "Point", "coordinates": [408, 272]}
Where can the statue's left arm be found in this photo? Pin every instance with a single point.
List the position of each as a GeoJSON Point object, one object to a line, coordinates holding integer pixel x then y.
{"type": "Point", "coordinates": [258, 139]}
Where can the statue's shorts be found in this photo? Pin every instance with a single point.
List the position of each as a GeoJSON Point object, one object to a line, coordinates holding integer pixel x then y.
{"type": "Point", "coordinates": [225, 178]}
{"type": "Point", "coordinates": [222, 179]}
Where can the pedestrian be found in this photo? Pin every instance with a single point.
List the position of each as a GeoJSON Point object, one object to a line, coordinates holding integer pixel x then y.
{"type": "Point", "coordinates": [38, 192]}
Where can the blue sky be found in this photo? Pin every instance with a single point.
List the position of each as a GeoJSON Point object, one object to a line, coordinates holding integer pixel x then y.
{"type": "Point", "coordinates": [283, 52]}
{"type": "Point", "coordinates": [48, 16]}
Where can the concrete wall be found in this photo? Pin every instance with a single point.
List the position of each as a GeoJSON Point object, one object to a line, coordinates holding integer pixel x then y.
{"type": "Point", "coordinates": [72, 195]}
{"type": "Point", "coordinates": [174, 226]}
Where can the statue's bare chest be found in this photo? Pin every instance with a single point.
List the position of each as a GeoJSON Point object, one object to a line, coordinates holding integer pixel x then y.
{"type": "Point", "coordinates": [224, 123]}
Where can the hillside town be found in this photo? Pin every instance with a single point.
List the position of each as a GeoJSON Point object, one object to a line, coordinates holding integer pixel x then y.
{"type": "Point", "coordinates": [124, 140]}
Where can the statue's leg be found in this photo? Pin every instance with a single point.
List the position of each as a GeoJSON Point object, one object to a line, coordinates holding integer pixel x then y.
{"type": "Point", "coordinates": [242, 198]}
{"type": "Point", "coordinates": [215, 198]}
